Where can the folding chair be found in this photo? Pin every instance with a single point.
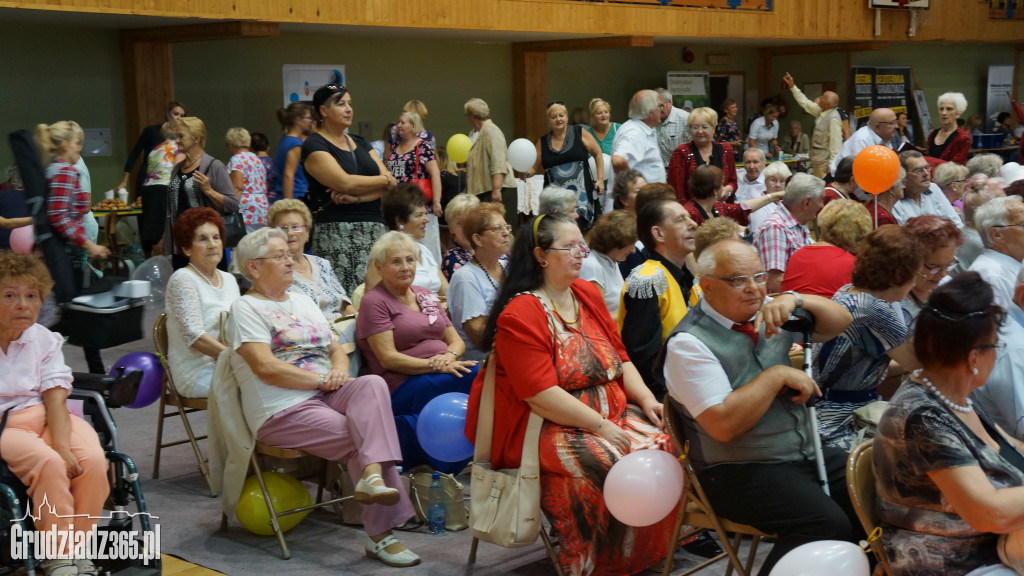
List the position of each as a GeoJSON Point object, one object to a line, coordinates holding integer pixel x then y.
{"type": "Point", "coordinates": [183, 406]}
{"type": "Point", "coordinates": [695, 510]}
{"type": "Point", "coordinates": [860, 481]}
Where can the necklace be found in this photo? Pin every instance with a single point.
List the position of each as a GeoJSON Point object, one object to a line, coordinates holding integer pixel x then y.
{"type": "Point", "coordinates": [491, 280]}
{"type": "Point", "coordinates": [290, 313]}
{"type": "Point", "coordinates": [969, 407]}
{"type": "Point", "coordinates": [575, 306]}
{"type": "Point", "coordinates": [203, 276]}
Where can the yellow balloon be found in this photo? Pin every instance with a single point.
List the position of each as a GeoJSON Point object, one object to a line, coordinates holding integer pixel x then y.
{"type": "Point", "coordinates": [458, 147]}
{"type": "Point", "coordinates": [285, 492]}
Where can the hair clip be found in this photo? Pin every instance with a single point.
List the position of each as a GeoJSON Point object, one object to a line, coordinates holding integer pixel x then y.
{"type": "Point", "coordinates": [956, 316]}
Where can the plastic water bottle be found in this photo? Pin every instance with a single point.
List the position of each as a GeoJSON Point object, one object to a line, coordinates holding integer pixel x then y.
{"type": "Point", "coordinates": [436, 513]}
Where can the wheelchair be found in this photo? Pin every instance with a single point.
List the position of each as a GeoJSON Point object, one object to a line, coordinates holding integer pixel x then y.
{"type": "Point", "coordinates": [99, 394]}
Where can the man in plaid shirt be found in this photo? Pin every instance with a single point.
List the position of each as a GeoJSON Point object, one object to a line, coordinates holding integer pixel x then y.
{"type": "Point", "coordinates": [785, 231]}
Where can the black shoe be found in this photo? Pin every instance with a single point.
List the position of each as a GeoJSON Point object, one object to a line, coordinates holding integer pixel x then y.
{"type": "Point", "coordinates": [704, 546]}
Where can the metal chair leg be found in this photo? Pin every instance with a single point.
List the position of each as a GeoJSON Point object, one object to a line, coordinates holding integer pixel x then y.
{"type": "Point", "coordinates": [270, 509]}
{"type": "Point", "coordinates": [159, 435]}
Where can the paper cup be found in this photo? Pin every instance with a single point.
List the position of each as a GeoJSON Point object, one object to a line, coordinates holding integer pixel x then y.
{"type": "Point", "coordinates": [109, 194]}
{"type": "Point", "coordinates": [123, 195]}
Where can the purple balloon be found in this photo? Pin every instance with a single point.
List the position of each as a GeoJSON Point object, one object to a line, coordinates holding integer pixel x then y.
{"type": "Point", "coordinates": [152, 379]}
{"type": "Point", "coordinates": [441, 428]}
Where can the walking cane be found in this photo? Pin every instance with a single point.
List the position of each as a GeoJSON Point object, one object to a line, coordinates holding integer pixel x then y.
{"type": "Point", "coordinates": [803, 321]}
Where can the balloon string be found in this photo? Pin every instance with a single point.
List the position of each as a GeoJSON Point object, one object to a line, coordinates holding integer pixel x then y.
{"type": "Point", "coordinates": [876, 211]}
{"type": "Point", "coordinates": [875, 535]}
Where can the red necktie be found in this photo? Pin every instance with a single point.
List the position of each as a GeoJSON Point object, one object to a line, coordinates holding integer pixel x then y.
{"type": "Point", "coordinates": [746, 328]}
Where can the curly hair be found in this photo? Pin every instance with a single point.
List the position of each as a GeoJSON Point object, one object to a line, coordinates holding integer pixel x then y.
{"type": "Point", "coordinates": [14, 266]}
{"type": "Point", "coordinates": [934, 232]}
{"type": "Point", "coordinates": [844, 223]}
{"type": "Point", "coordinates": [713, 230]}
{"type": "Point", "coordinates": [890, 256]}
{"type": "Point", "coordinates": [286, 205]}
{"type": "Point", "coordinates": [612, 231]}
{"type": "Point", "coordinates": [184, 229]}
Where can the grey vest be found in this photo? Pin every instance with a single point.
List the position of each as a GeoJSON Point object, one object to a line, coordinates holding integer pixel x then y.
{"type": "Point", "coordinates": [819, 139]}
{"type": "Point", "coordinates": [782, 434]}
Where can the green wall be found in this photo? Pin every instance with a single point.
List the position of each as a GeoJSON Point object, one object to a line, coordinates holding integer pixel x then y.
{"type": "Point", "coordinates": [52, 73]}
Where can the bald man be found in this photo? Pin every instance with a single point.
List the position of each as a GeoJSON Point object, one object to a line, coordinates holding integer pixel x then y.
{"type": "Point", "coordinates": [879, 130]}
{"type": "Point", "coordinates": [828, 126]}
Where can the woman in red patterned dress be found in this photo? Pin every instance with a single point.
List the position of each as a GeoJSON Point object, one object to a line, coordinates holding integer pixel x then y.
{"type": "Point", "coordinates": [559, 355]}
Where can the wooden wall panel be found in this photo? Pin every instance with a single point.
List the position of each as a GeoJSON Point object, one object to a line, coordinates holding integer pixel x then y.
{"type": "Point", "coordinates": [818, 20]}
{"type": "Point", "coordinates": [148, 85]}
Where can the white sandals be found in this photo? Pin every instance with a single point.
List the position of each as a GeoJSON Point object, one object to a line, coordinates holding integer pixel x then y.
{"type": "Point", "coordinates": [403, 559]}
{"type": "Point", "coordinates": [367, 493]}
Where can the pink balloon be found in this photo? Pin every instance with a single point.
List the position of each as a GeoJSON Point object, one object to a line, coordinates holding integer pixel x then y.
{"type": "Point", "coordinates": [643, 487]}
{"type": "Point", "coordinates": [832, 557]}
{"type": "Point", "coordinates": [22, 240]}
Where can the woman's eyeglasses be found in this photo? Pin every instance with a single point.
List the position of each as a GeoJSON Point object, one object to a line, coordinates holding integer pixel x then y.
{"type": "Point", "coordinates": [296, 228]}
{"type": "Point", "coordinates": [499, 229]}
{"type": "Point", "coordinates": [282, 257]}
{"type": "Point", "coordinates": [576, 250]}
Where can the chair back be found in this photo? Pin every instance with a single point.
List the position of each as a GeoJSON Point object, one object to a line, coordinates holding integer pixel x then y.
{"type": "Point", "coordinates": [860, 481]}
{"type": "Point", "coordinates": [221, 336]}
{"type": "Point", "coordinates": [160, 336]}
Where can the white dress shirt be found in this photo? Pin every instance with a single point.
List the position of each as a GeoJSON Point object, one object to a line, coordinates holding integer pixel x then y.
{"type": "Point", "coordinates": [1000, 271]}
{"type": "Point", "coordinates": [860, 140]}
{"type": "Point", "coordinates": [933, 202]}
{"type": "Point", "coordinates": [638, 144]}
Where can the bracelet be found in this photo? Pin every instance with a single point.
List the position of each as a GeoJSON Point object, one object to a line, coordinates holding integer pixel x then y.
{"type": "Point", "coordinates": [452, 352]}
{"type": "Point", "coordinates": [319, 386]}
{"type": "Point", "coordinates": [598, 429]}
{"type": "Point", "coordinates": [799, 299]}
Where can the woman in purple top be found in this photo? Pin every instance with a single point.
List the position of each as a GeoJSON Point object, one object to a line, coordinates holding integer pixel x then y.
{"type": "Point", "coordinates": [407, 339]}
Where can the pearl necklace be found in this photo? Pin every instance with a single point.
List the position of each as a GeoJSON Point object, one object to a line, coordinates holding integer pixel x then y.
{"type": "Point", "coordinates": [969, 407]}
{"type": "Point", "coordinates": [203, 276]}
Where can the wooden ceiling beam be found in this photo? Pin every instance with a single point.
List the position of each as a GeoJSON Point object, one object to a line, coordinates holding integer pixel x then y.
{"type": "Point", "coordinates": [197, 32]}
{"type": "Point", "coordinates": [598, 43]}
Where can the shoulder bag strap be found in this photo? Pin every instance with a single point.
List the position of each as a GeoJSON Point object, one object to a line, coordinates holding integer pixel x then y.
{"type": "Point", "coordinates": [485, 417]}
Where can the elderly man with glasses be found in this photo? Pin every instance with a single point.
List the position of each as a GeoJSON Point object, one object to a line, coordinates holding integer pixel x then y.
{"type": "Point", "coordinates": [1000, 223]}
{"type": "Point", "coordinates": [727, 370]}
{"type": "Point", "coordinates": [921, 196]}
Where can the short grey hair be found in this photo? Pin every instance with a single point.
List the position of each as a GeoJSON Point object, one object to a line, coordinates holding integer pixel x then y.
{"type": "Point", "coordinates": [663, 95]}
{"type": "Point", "coordinates": [802, 186]}
{"type": "Point", "coordinates": [987, 164]}
{"type": "Point", "coordinates": [477, 108]}
{"type": "Point", "coordinates": [391, 240]}
{"type": "Point", "coordinates": [556, 199]}
{"type": "Point", "coordinates": [642, 104]}
{"type": "Point", "coordinates": [990, 215]}
{"type": "Point", "coordinates": [460, 205]}
{"type": "Point", "coordinates": [775, 168]}
{"type": "Point", "coordinates": [253, 246]}
{"type": "Point", "coordinates": [758, 150]}
{"type": "Point", "coordinates": [707, 263]}
{"type": "Point", "coordinates": [974, 199]}
{"type": "Point", "coordinates": [958, 100]}
{"type": "Point", "coordinates": [949, 172]}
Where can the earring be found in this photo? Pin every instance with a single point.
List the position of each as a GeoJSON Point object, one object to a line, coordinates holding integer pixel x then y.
{"type": "Point", "coordinates": [974, 370]}
{"type": "Point", "coordinates": [401, 226]}
{"type": "Point", "coordinates": [543, 263]}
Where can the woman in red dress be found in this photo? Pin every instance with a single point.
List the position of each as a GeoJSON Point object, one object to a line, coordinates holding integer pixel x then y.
{"type": "Point", "coordinates": [558, 354]}
{"type": "Point", "coordinates": [950, 142]}
{"type": "Point", "coordinates": [700, 151]}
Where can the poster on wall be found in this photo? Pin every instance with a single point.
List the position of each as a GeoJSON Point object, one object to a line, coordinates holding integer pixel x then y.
{"type": "Point", "coordinates": [1000, 83]}
{"type": "Point", "coordinates": [302, 80]}
{"type": "Point", "coordinates": [892, 89]}
{"type": "Point", "coordinates": [862, 90]}
{"type": "Point", "coordinates": [923, 116]}
{"type": "Point", "coordinates": [692, 86]}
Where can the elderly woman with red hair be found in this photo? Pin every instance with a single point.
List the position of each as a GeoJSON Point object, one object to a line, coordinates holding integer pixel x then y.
{"type": "Point", "coordinates": [851, 366]}
{"type": "Point", "coordinates": [941, 239]}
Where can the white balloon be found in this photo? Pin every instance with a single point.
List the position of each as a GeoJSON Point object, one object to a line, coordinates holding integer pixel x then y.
{"type": "Point", "coordinates": [593, 167]}
{"type": "Point", "coordinates": [606, 161]}
{"type": "Point", "coordinates": [831, 557]}
{"type": "Point", "coordinates": [156, 270]}
{"type": "Point", "coordinates": [522, 154]}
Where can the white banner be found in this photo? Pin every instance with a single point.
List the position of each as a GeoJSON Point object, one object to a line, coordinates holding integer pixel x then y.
{"type": "Point", "coordinates": [1000, 82]}
{"type": "Point", "coordinates": [302, 80]}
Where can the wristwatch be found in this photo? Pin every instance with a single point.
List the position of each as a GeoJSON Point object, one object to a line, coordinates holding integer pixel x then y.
{"type": "Point", "coordinates": [799, 298]}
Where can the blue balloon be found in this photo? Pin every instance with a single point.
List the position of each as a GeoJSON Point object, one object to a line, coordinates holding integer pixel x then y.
{"type": "Point", "coordinates": [441, 428]}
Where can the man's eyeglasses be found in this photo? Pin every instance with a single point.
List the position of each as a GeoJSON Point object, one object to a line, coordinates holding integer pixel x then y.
{"type": "Point", "coordinates": [282, 257]}
{"type": "Point", "coordinates": [296, 228]}
{"type": "Point", "coordinates": [920, 170]}
{"type": "Point", "coordinates": [760, 279]}
{"type": "Point", "coordinates": [578, 250]}
{"type": "Point", "coordinates": [996, 346]}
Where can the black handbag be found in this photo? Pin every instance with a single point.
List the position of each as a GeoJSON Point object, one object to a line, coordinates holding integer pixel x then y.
{"type": "Point", "coordinates": [234, 229]}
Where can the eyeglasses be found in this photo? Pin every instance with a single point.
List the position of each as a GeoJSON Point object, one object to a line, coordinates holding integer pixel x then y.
{"type": "Point", "coordinates": [575, 250]}
{"type": "Point", "coordinates": [920, 170]}
{"type": "Point", "coordinates": [553, 102]}
{"type": "Point", "coordinates": [334, 86]}
{"type": "Point", "coordinates": [1009, 225]}
{"type": "Point", "coordinates": [700, 128]}
{"type": "Point", "coordinates": [930, 270]}
{"type": "Point", "coordinates": [282, 257]}
{"type": "Point", "coordinates": [996, 346]}
{"type": "Point", "coordinates": [760, 279]}
{"type": "Point", "coordinates": [500, 229]}
{"type": "Point", "coordinates": [296, 228]}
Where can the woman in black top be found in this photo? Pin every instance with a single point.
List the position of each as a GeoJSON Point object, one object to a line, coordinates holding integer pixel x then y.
{"type": "Point", "coordinates": [562, 153]}
{"type": "Point", "coordinates": [346, 180]}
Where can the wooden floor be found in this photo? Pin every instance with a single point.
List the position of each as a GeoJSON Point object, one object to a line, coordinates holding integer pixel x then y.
{"type": "Point", "coordinates": [177, 567]}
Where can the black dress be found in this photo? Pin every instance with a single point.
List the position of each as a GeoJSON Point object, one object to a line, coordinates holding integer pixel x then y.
{"type": "Point", "coordinates": [568, 168]}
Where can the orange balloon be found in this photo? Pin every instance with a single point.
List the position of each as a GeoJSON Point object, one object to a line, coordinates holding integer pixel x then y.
{"type": "Point", "coordinates": [876, 169]}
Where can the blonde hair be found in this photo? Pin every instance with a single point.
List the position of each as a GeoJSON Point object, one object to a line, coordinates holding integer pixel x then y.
{"type": "Point", "coordinates": [596, 102]}
{"type": "Point", "coordinates": [706, 113]}
{"type": "Point", "coordinates": [415, 120]}
{"type": "Point", "coordinates": [286, 205]}
{"type": "Point", "coordinates": [50, 138]}
{"type": "Point", "coordinates": [460, 205]}
{"type": "Point", "coordinates": [196, 128]}
{"type": "Point", "coordinates": [477, 108]}
{"type": "Point", "coordinates": [845, 223]}
{"type": "Point", "coordinates": [417, 107]}
{"type": "Point", "coordinates": [238, 137]}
